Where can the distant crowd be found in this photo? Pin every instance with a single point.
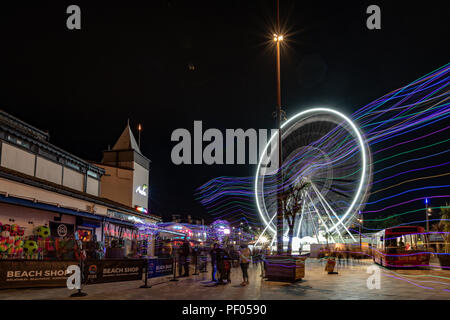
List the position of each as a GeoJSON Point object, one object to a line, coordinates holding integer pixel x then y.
{"type": "Point", "coordinates": [222, 258]}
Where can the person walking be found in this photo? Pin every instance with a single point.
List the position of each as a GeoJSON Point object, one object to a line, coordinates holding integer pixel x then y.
{"type": "Point", "coordinates": [220, 259]}
{"type": "Point", "coordinates": [213, 254]}
{"type": "Point", "coordinates": [227, 265]}
{"type": "Point", "coordinates": [244, 258]}
{"type": "Point", "coordinates": [235, 257]}
{"type": "Point", "coordinates": [186, 248]}
{"type": "Point", "coordinates": [181, 261]}
{"type": "Point", "coordinates": [264, 253]}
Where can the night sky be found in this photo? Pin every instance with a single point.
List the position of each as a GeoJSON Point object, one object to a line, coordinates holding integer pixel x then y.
{"type": "Point", "coordinates": [131, 60]}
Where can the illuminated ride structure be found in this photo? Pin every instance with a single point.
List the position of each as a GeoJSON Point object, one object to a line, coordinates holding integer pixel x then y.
{"type": "Point", "coordinates": [323, 149]}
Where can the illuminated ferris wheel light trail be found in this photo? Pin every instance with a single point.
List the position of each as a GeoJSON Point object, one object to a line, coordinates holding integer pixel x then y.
{"type": "Point", "coordinates": [320, 217]}
{"type": "Point", "coordinates": [329, 216]}
{"type": "Point", "coordinates": [361, 148]}
{"type": "Point", "coordinates": [314, 226]}
{"type": "Point", "coordinates": [262, 233]}
{"type": "Point", "coordinates": [326, 211]}
{"type": "Point", "coordinates": [323, 200]}
{"type": "Point", "coordinates": [323, 147]}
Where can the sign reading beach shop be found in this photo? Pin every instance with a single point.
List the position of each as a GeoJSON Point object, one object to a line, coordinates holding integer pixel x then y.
{"type": "Point", "coordinates": [160, 267]}
{"type": "Point", "coordinates": [42, 273]}
{"type": "Point", "coordinates": [98, 271]}
{"type": "Point", "coordinates": [39, 273]}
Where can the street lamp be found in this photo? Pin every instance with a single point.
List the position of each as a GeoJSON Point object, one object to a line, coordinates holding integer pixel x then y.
{"type": "Point", "coordinates": [427, 214]}
{"type": "Point", "coordinates": [360, 220]}
{"type": "Point", "coordinates": [278, 37]}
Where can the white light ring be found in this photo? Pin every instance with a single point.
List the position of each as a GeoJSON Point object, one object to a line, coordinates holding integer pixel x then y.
{"type": "Point", "coordinates": [364, 162]}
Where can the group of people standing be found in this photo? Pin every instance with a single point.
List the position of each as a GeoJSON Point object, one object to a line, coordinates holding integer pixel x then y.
{"type": "Point", "coordinates": [183, 258]}
{"type": "Point", "coordinates": [222, 259]}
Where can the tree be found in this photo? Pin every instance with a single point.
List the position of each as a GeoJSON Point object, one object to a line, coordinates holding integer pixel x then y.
{"type": "Point", "coordinates": [292, 206]}
{"type": "Point", "coordinates": [444, 225]}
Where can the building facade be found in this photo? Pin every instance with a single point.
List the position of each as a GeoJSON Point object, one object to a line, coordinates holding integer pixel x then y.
{"type": "Point", "coordinates": [42, 185]}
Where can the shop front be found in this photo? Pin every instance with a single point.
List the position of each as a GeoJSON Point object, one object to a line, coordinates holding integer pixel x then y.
{"type": "Point", "coordinates": [131, 237]}
{"type": "Point", "coordinates": [38, 242]}
{"type": "Point", "coordinates": [37, 231]}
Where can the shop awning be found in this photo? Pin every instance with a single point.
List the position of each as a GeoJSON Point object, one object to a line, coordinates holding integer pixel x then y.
{"type": "Point", "coordinates": [62, 210]}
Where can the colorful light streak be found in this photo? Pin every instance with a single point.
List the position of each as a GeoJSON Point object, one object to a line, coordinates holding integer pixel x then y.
{"type": "Point", "coordinates": [388, 123]}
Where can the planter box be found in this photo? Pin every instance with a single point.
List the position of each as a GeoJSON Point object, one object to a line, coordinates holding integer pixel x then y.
{"type": "Point", "coordinates": [285, 268]}
{"type": "Point", "coordinates": [444, 260]}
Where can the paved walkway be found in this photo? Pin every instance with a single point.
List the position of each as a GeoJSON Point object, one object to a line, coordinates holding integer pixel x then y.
{"type": "Point", "coordinates": [349, 283]}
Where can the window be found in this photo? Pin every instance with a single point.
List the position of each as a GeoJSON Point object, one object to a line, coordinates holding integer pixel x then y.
{"type": "Point", "coordinates": [19, 142]}
{"type": "Point", "coordinates": [92, 174]}
{"type": "Point", "coordinates": [380, 243]}
{"type": "Point", "coordinates": [47, 155]}
{"type": "Point", "coordinates": [72, 165]}
{"type": "Point", "coordinates": [420, 241]}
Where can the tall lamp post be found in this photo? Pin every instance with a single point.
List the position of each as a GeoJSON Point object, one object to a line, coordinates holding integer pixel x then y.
{"type": "Point", "coordinates": [427, 214]}
{"type": "Point", "coordinates": [278, 38]}
{"type": "Point", "coordinates": [360, 220]}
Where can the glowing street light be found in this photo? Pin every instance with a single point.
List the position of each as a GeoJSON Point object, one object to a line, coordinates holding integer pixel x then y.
{"type": "Point", "coordinates": [279, 222]}
{"type": "Point", "coordinates": [277, 38]}
{"type": "Point", "coordinates": [360, 220]}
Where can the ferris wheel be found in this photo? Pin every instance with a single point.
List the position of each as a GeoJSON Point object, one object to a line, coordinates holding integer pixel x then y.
{"type": "Point", "coordinates": [323, 150]}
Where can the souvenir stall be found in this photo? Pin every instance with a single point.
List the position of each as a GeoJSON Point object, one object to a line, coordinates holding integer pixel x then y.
{"type": "Point", "coordinates": [39, 244]}
{"type": "Point", "coordinates": [41, 258]}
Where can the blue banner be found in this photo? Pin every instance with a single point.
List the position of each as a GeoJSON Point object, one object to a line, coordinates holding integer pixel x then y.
{"type": "Point", "coordinates": [160, 267]}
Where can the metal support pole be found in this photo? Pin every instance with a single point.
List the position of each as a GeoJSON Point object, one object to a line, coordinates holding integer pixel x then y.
{"type": "Point", "coordinates": [360, 243]}
{"type": "Point", "coordinates": [145, 285]}
{"type": "Point", "coordinates": [174, 270]}
{"type": "Point", "coordinates": [196, 266]}
{"type": "Point", "coordinates": [280, 177]}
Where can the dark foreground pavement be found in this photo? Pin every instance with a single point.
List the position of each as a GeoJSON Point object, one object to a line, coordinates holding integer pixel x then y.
{"type": "Point", "coordinates": [349, 283]}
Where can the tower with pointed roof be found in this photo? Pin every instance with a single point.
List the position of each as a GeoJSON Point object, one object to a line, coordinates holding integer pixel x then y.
{"type": "Point", "coordinates": [126, 177]}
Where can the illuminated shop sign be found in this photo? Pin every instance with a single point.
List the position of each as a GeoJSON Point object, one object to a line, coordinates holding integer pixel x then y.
{"type": "Point", "coordinates": [116, 214]}
{"type": "Point", "coordinates": [122, 216]}
{"type": "Point", "coordinates": [142, 190]}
